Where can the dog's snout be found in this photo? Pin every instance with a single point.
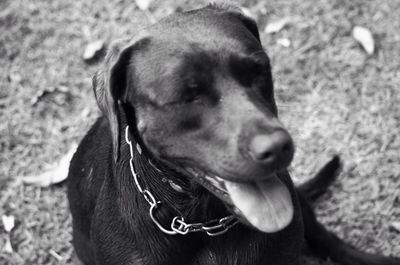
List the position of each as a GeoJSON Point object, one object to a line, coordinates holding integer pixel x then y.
{"type": "Point", "coordinates": [273, 149]}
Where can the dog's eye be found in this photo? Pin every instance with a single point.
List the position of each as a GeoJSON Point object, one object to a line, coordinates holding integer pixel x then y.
{"type": "Point", "coordinates": [191, 92]}
{"type": "Point", "coordinates": [191, 97]}
{"type": "Point", "coordinates": [248, 71]}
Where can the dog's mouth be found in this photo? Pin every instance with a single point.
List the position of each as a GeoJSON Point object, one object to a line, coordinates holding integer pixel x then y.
{"type": "Point", "coordinates": [265, 204]}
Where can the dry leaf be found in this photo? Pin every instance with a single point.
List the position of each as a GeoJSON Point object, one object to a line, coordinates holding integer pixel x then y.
{"type": "Point", "coordinates": [14, 77]}
{"type": "Point", "coordinates": [55, 255]}
{"type": "Point", "coordinates": [260, 7]}
{"type": "Point", "coordinates": [93, 49]}
{"type": "Point", "coordinates": [283, 42]}
{"type": "Point", "coordinates": [8, 247]}
{"type": "Point", "coordinates": [364, 37]}
{"type": "Point", "coordinates": [48, 91]}
{"type": "Point", "coordinates": [42, 93]}
{"type": "Point", "coordinates": [63, 89]}
{"type": "Point", "coordinates": [8, 222]}
{"type": "Point", "coordinates": [55, 175]}
{"type": "Point", "coordinates": [276, 26]}
{"type": "Point", "coordinates": [247, 12]}
{"type": "Point", "coordinates": [396, 226]}
{"type": "Point", "coordinates": [143, 4]}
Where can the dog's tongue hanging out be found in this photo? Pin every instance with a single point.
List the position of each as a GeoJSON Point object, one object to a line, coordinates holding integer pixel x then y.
{"type": "Point", "coordinates": [267, 205]}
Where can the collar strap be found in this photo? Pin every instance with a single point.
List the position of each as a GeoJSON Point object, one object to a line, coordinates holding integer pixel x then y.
{"type": "Point", "coordinates": [178, 225]}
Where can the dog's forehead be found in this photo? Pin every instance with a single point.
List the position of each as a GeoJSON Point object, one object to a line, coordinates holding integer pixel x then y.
{"type": "Point", "coordinates": [164, 68]}
{"type": "Point", "coordinates": [182, 43]}
{"type": "Point", "coordinates": [212, 27]}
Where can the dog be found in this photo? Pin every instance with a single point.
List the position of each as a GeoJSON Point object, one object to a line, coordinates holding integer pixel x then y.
{"type": "Point", "coordinates": [188, 163]}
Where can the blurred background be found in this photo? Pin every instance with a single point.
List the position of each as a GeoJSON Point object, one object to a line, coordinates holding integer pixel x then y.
{"type": "Point", "coordinates": [337, 75]}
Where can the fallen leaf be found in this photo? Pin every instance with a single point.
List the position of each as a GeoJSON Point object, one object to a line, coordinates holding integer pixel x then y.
{"type": "Point", "coordinates": [86, 31]}
{"type": "Point", "coordinates": [14, 77]}
{"type": "Point", "coordinates": [93, 50]}
{"type": "Point", "coordinates": [364, 37]}
{"type": "Point", "coordinates": [283, 42]}
{"type": "Point", "coordinates": [396, 226]}
{"type": "Point", "coordinates": [63, 89]}
{"type": "Point", "coordinates": [276, 26]}
{"type": "Point", "coordinates": [55, 255]}
{"type": "Point", "coordinates": [373, 189]}
{"type": "Point", "coordinates": [8, 247]}
{"type": "Point", "coordinates": [58, 173]}
{"type": "Point", "coordinates": [247, 12]}
{"type": "Point", "coordinates": [260, 7]}
{"type": "Point", "coordinates": [8, 222]}
{"type": "Point", "coordinates": [49, 91]}
{"type": "Point", "coordinates": [85, 112]}
{"type": "Point", "coordinates": [42, 93]}
{"type": "Point", "coordinates": [143, 4]}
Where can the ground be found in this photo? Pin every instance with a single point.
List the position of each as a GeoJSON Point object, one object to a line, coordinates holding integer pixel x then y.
{"type": "Point", "coordinates": [334, 98]}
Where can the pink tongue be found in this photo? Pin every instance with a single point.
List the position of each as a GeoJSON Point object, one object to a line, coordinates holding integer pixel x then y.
{"type": "Point", "coordinates": [267, 205]}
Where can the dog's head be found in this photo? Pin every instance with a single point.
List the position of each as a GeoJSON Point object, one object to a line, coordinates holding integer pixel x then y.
{"type": "Point", "coordinates": [199, 88]}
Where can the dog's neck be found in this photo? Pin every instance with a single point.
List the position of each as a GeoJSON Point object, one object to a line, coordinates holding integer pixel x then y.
{"type": "Point", "coordinates": [179, 194]}
{"type": "Point", "coordinates": [154, 176]}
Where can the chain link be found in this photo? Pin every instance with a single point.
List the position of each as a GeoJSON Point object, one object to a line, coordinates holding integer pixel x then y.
{"type": "Point", "coordinates": [212, 228]}
{"type": "Point", "coordinates": [178, 225]}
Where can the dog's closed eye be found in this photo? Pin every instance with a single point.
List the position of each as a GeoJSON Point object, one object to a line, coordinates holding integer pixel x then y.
{"type": "Point", "coordinates": [192, 91]}
{"type": "Point", "coordinates": [246, 70]}
{"type": "Point", "coordinates": [197, 90]}
{"type": "Point", "coordinates": [191, 97]}
{"type": "Point", "coordinates": [253, 72]}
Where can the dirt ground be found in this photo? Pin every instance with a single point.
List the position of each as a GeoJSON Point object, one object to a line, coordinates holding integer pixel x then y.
{"type": "Point", "coordinates": [334, 98]}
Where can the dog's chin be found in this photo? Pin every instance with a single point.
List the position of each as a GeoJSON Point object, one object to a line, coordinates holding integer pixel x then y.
{"type": "Point", "coordinates": [265, 204]}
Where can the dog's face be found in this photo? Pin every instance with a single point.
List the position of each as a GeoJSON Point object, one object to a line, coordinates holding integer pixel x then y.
{"type": "Point", "coordinates": [200, 89]}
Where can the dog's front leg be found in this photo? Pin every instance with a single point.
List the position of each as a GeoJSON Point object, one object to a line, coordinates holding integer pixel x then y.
{"type": "Point", "coordinates": [326, 244]}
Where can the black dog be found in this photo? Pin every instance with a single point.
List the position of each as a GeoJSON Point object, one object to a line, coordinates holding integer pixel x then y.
{"type": "Point", "coordinates": [188, 164]}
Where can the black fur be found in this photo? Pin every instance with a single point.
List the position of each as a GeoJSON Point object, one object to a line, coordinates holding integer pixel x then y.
{"type": "Point", "coordinates": [194, 90]}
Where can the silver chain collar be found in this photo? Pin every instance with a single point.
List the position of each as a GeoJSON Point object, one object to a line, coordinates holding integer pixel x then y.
{"type": "Point", "coordinates": [178, 225]}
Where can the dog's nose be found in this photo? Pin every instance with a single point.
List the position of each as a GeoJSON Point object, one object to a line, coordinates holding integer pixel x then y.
{"type": "Point", "coordinates": [273, 149]}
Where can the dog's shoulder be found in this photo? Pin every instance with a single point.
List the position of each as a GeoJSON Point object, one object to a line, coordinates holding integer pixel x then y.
{"type": "Point", "coordinates": [91, 162]}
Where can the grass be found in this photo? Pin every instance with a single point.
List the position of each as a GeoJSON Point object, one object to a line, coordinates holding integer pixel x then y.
{"type": "Point", "coordinates": [333, 97]}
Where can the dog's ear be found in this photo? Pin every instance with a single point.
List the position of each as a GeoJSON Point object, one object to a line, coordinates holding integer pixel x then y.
{"type": "Point", "coordinates": [110, 83]}
{"type": "Point", "coordinates": [236, 11]}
